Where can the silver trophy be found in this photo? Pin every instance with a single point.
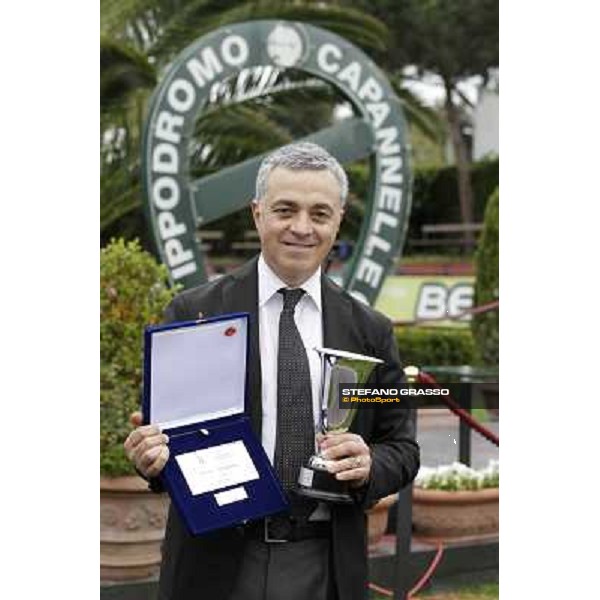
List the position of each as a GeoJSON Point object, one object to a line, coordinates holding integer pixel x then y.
{"type": "Point", "coordinates": [338, 367]}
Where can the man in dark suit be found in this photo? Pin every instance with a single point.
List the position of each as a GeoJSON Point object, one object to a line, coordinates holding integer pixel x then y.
{"type": "Point", "coordinates": [318, 550]}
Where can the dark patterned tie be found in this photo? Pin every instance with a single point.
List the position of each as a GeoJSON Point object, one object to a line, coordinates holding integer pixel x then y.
{"type": "Point", "coordinates": [295, 440]}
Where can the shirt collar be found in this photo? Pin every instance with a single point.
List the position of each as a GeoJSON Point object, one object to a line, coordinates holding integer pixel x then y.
{"type": "Point", "coordinates": [269, 283]}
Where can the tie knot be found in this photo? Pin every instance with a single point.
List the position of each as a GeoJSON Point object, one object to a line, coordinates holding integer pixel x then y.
{"type": "Point", "coordinates": [291, 297]}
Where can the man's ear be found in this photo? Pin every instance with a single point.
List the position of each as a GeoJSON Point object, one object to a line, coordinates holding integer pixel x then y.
{"type": "Point", "coordinates": [256, 208]}
{"type": "Point", "coordinates": [342, 213]}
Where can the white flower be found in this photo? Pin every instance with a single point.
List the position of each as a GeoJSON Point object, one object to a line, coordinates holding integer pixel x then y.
{"type": "Point", "coordinates": [458, 476]}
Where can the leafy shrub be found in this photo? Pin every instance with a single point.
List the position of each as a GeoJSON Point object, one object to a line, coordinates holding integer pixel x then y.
{"type": "Point", "coordinates": [485, 325]}
{"type": "Point", "coordinates": [439, 346]}
{"type": "Point", "coordinates": [133, 293]}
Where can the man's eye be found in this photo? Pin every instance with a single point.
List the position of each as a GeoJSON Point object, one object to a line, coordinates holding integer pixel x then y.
{"type": "Point", "coordinates": [322, 215]}
{"type": "Point", "coordinates": [283, 211]}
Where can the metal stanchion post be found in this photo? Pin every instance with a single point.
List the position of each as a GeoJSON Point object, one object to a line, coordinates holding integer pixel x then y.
{"type": "Point", "coordinates": [464, 431]}
{"type": "Point", "coordinates": [404, 518]}
{"type": "Point", "coordinates": [403, 540]}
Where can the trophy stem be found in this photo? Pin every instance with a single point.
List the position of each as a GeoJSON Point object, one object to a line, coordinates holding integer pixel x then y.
{"type": "Point", "coordinates": [316, 482]}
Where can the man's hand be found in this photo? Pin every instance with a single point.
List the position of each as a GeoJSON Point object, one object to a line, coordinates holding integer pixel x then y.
{"type": "Point", "coordinates": [349, 456]}
{"type": "Point", "coordinates": [146, 447]}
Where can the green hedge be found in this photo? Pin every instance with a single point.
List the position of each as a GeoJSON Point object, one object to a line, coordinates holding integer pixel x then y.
{"type": "Point", "coordinates": [439, 346]}
{"type": "Point", "coordinates": [434, 196]}
{"type": "Point", "coordinates": [485, 325]}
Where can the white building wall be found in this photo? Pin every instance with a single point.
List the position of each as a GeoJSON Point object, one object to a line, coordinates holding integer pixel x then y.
{"type": "Point", "coordinates": [485, 125]}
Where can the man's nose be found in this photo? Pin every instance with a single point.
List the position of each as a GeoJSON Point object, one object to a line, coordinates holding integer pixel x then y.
{"type": "Point", "coordinates": [302, 224]}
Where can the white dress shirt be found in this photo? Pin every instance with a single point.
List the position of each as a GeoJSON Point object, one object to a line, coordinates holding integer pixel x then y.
{"type": "Point", "coordinates": [309, 321]}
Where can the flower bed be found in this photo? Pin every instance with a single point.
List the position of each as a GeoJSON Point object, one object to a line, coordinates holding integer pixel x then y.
{"type": "Point", "coordinates": [458, 477]}
{"type": "Point", "coordinates": [456, 502]}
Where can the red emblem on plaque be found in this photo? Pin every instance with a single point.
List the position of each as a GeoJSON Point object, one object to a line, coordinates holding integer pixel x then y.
{"type": "Point", "coordinates": [230, 331]}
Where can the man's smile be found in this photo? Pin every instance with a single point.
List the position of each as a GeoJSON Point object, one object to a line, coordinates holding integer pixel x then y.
{"type": "Point", "coordinates": [298, 245]}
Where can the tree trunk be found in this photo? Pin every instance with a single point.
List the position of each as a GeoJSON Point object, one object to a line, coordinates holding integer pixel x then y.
{"type": "Point", "coordinates": [465, 190]}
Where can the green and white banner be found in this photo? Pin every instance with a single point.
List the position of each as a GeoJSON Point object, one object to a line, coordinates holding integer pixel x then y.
{"type": "Point", "coordinates": [409, 298]}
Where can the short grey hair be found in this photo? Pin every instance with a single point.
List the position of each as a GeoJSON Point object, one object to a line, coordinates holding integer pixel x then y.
{"type": "Point", "coordinates": [301, 156]}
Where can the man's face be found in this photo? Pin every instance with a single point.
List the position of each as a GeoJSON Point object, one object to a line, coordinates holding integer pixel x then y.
{"type": "Point", "coordinates": [297, 221]}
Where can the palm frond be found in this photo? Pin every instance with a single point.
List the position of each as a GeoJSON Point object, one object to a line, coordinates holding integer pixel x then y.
{"type": "Point", "coordinates": [232, 134]}
{"type": "Point", "coordinates": [356, 26]}
{"type": "Point", "coordinates": [427, 120]}
{"type": "Point", "coordinates": [121, 206]}
{"type": "Point", "coordinates": [122, 70]}
{"type": "Point", "coordinates": [115, 14]}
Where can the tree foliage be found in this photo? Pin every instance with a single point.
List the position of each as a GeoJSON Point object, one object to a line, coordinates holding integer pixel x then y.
{"type": "Point", "coordinates": [454, 39]}
{"type": "Point", "coordinates": [486, 325]}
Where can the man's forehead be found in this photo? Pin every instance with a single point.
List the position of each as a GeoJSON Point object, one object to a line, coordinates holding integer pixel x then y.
{"type": "Point", "coordinates": [281, 173]}
{"type": "Point", "coordinates": [283, 181]}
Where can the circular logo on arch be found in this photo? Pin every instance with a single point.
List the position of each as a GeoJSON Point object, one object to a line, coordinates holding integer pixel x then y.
{"type": "Point", "coordinates": [177, 204]}
{"type": "Point", "coordinates": [285, 45]}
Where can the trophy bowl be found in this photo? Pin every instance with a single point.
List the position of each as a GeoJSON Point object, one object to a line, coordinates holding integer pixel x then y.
{"type": "Point", "coordinates": [338, 367]}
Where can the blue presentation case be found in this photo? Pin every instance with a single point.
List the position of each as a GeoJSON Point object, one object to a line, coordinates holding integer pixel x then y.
{"type": "Point", "coordinates": [195, 391]}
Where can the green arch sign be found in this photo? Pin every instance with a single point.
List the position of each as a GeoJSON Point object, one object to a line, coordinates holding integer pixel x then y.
{"type": "Point", "coordinates": [176, 204]}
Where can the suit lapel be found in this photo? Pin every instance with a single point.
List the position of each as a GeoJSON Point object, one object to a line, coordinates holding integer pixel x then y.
{"type": "Point", "coordinates": [241, 295]}
{"type": "Point", "coordinates": [340, 333]}
{"type": "Point", "coordinates": [337, 317]}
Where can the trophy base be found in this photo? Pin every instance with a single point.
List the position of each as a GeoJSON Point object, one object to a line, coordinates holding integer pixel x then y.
{"type": "Point", "coordinates": [321, 485]}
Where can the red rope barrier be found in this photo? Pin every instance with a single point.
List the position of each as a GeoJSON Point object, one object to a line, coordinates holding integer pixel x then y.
{"type": "Point", "coordinates": [460, 412]}
{"type": "Point", "coordinates": [422, 581]}
{"type": "Point", "coordinates": [430, 569]}
{"type": "Point", "coordinates": [381, 590]}
{"type": "Point", "coordinates": [482, 308]}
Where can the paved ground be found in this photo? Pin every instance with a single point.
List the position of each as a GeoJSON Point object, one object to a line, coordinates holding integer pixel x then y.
{"type": "Point", "coordinates": [437, 434]}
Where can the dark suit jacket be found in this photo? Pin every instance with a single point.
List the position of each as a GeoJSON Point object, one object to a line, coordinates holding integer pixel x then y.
{"type": "Point", "coordinates": [205, 567]}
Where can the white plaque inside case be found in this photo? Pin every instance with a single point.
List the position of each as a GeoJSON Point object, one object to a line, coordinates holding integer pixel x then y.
{"type": "Point", "coordinates": [198, 372]}
{"type": "Point", "coordinates": [217, 467]}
